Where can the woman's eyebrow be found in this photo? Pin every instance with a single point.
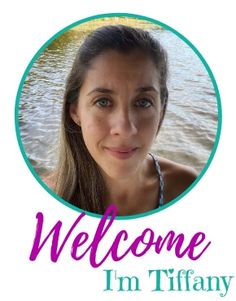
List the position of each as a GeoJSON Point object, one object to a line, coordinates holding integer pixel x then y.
{"type": "Point", "coordinates": [147, 89]}
{"type": "Point", "coordinates": [101, 90]}
{"type": "Point", "coordinates": [109, 91]}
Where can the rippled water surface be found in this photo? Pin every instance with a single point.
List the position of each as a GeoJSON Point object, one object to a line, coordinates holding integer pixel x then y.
{"type": "Point", "coordinates": [190, 125]}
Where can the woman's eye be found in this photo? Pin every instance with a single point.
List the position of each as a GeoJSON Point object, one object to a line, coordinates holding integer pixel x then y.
{"type": "Point", "coordinates": [103, 102]}
{"type": "Point", "coordinates": [143, 103]}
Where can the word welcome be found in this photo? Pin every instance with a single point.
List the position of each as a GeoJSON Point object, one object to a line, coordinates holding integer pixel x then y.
{"type": "Point", "coordinates": [169, 280]}
{"type": "Point", "coordinates": [145, 242]}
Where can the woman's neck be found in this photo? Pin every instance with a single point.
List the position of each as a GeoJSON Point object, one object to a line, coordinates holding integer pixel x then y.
{"type": "Point", "coordinates": [134, 194]}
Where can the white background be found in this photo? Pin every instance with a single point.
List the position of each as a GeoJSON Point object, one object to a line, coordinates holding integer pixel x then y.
{"type": "Point", "coordinates": [25, 27]}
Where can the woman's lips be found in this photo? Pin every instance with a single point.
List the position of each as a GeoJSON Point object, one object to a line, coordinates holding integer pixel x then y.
{"type": "Point", "coordinates": [121, 152]}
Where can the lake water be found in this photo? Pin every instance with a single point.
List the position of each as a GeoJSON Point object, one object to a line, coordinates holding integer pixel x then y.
{"type": "Point", "coordinates": [189, 129]}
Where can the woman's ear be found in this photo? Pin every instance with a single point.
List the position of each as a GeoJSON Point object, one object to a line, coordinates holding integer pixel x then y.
{"type": "Point", "coordinates": [73, 110]}
{"type": "Point", "coordinates": [163, 111]}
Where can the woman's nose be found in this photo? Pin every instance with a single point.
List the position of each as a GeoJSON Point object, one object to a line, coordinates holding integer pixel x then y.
{"type": "Point", "coordinates": [123, 123]}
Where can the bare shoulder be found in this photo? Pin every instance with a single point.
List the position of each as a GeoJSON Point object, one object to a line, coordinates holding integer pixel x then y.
{"type": "Point", "coordinates": [173, 169]}
{"type": "Point", "coordinates": [49, 180]}
{"type": "Point", "coordinates": [177, 178]}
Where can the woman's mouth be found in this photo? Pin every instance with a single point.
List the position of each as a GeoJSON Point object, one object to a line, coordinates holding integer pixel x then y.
{"type": "Point", "coordinates": [121, 152]}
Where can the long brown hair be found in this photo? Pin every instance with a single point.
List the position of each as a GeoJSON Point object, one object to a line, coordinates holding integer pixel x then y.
{"type": "Point", "coordinates": [78, 179]}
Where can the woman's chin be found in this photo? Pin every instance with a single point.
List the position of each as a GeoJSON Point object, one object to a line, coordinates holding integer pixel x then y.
{"type": "Point", "coordinates": [120, 173]}
{"type": "Point", "coordinates": [117, 169]}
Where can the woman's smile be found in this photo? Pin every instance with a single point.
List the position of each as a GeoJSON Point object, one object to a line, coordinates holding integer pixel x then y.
{"type": "Point", "coordinates": [121, 152]}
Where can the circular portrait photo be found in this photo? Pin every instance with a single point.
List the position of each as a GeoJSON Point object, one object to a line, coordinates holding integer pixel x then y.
{"type": "Point", "coordinates": [118, 110]}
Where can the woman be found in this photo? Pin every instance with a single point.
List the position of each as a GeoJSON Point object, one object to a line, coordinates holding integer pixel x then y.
{"type": "Point", "coordinates": [114, 105]}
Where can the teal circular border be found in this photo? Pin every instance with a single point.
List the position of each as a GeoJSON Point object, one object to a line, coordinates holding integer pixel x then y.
{"type": "Point", "coordinates": [219, 125]}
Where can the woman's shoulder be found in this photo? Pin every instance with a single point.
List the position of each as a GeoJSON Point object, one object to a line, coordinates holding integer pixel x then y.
{"type": "Point", "coordinates": [177, 177]}
{"type": "Point", "coordinates": [49, 180]}
{"type": "Point", "coordinates": [172, 168]}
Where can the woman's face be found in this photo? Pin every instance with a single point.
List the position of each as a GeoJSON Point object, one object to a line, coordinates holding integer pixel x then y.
{"type": "Point", "coordinates": [119, 111]}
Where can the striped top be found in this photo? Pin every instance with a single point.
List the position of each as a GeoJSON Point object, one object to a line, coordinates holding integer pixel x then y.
{"type": "Point", "coordinates": [160, 201]}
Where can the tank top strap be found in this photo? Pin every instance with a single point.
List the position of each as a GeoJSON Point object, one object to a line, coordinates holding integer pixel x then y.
{"type": "Point", "coordinates": [161, 180]}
